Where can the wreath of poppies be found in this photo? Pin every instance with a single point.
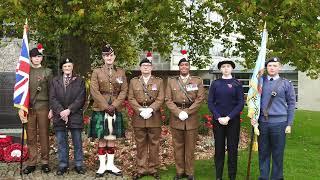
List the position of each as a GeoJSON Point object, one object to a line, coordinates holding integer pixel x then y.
{"type": "Point", "coordinates": [4, 142]}
{"type": "Point", "coordinates": [12, 153]}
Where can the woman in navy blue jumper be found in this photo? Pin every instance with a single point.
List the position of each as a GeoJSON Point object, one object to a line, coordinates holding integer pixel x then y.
{"type": "Point", "coordinates": [225, 102]}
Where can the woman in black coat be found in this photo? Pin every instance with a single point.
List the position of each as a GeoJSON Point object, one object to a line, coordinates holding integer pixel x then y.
{"type": "Point", "coordinates": [67, 98]}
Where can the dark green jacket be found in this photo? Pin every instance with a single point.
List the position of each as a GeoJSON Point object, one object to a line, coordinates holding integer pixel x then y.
{"type": "Point", "coordinates": [39, 80]}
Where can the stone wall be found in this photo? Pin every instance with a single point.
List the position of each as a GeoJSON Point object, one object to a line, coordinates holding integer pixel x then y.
{"type": "Point", "coordinates": [9, 55]}
{"type": "Point", "coordinates": [308, 96]}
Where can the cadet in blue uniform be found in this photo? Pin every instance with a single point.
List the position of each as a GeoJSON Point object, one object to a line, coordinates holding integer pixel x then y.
{"type": "Point", "coordinates": [225, 102]}
{"type": "Point", "coordinates": [277, 111]}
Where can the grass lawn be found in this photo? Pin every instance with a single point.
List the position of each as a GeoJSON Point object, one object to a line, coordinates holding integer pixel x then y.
{"type": "Point", "coordinates": [302, 153]}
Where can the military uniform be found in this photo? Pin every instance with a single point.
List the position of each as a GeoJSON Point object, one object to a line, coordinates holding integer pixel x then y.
{"type": "Point", "coordinates": [184, 133]}
{"type": "Point", "coordinates": [38, 114]}
{"type": "Point", "coordinates": [147, 131]}
{"type": "Point", "coordinates": [107, 87]}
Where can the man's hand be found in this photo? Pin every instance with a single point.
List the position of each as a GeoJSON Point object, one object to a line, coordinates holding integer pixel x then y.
{"type": "Point", "coordinates": [288, 130]}
{"type": "Point", "coordinates": [149, 110]}
{"type": "Point", "coordinates": [111, 108]}
{"type": "Point", "coordinates": [183, 115]}
{"type": "Point", "coordinates": [143, 113]}
{"type": "Point", "coordinates": [50, 115]}
{"type": "Point", "coordinates": [255, 125]}
{"type": "Point", "coordinates": [256, 129]}
{"type": "Point", "coordinates": [146, 113]}
{"type": "Point", "coordinates": [23, 117]}
{"type": "Point", "coordinates": [65, 119]}
{"type": "Point", "coordinates": [65, 113]}
{"type": "Point", "coordinates": [253, 121]}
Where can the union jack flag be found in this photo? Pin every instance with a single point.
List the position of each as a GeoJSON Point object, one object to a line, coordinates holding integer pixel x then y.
{"type": "Point", "coordinates": [21, 88]}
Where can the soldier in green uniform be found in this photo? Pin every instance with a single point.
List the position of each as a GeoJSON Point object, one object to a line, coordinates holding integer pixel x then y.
{"type": "Point", "coordinates": [108, 88]}
{"type": "Point", "coordinates": [38, 116]}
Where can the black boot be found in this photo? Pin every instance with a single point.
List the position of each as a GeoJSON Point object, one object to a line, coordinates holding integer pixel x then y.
{"type": "Point", "coordinates": [61, 171]}
{"type": "Point", "coordinates": [45, 168]}
{"type": "Point", "coordinates": [29, 169]}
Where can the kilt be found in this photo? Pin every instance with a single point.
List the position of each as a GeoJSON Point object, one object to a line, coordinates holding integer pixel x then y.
{"type": "Point", "coordinates": [98, 128]}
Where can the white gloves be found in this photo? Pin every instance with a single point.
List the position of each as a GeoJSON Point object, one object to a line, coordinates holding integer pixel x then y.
{"type": "Point", "coordinates": [183, 115]}
{"type": "Point", "coordinates": [224, 120]}
{"type": "Point", "coordinates": [255, 125]}
{"type": "Point", "coordinates": [146, 113]}
{"type": "Point", "coordinates": [288, 130]}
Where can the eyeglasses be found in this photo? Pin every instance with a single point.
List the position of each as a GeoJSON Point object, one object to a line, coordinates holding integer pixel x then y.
{"type": "Point", "coordinates": [146, 65]}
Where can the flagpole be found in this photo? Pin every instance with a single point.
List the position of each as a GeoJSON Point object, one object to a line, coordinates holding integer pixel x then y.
{"type": "Point", "coordinates": [25, 28]}
{"type": "Point", "coordinates": [250, 154]}
{"type": "Point", "coordinates": [254, 93]}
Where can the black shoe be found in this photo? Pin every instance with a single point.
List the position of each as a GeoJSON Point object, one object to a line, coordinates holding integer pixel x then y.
{"type": "Point", "coordinates": [98, 175]}
{"type": "Point", "coordinates": [61, 170]}
{"type": "Point", "coordinates": [29, 169]}
{"type": "Point", "coordinates": [191, 177]}
{"type": "Point", "coordinates": [115, 173]}
{"type": "Point", "coordinates": [178, 177]}
{"type": "Point", "coordinates": [156, 175]}
{"type": "Point", "coordinates": [79, 170]}
{"type": "Point", "coordinates": [45, 168]}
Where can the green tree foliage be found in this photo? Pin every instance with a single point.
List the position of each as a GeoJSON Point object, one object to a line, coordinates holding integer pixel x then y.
{"type": "Point", "coordinates": [293, 28]}
{"type": "Point", "coordinates": [78, 29]}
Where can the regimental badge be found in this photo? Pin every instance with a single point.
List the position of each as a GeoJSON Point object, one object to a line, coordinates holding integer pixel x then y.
{"type": "Point", "coordinates": [229, 85]}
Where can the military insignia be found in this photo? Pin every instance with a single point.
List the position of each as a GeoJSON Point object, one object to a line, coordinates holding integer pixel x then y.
{"type": "Point", "coordinates": [229, 85]}
{"type": "Point", "coordinates": [39, 78]}
{"type": "Point", "coordinates": [119, 80]}
{"type": "Point", "coordinates": [154, 87]}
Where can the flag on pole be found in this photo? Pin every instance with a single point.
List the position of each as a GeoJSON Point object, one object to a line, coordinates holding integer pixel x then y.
{"type": "Point", "coordinates": [256, 82]}
{"type": "Point", "coordinates": [21, 87]}
{"type": "Point", "coordinates": [255, 86]}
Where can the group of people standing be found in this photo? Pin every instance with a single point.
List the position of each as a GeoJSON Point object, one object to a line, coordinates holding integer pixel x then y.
{"type": "Point", "coordinates": [62, 99]}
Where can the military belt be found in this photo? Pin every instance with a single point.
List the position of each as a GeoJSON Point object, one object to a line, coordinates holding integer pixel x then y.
{"type": "Point", "coordinates": [145, 104]}
{"type": "Point", "coordinates": [183, 105]}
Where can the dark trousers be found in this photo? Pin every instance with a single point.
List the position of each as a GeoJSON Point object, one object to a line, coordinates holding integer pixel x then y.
{"type": "Point", "coordinates": [63, 147]}
{"type": "Point", "coordinates": [231, 133]}
{"type": "Point", "coordinates": [271, 142]}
